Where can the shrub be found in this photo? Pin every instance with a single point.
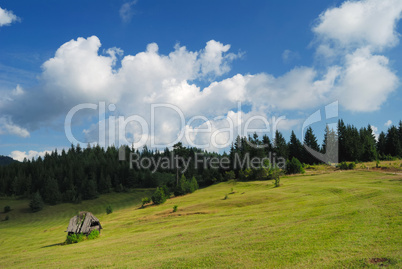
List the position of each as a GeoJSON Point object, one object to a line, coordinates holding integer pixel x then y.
{"type": "Point", "coordinates": [36, 203]}
{"type": "Point", "coordinates": [74, 238]}
{"type": "Point", "coordinates": [294, 166]}
{"type": "Point", "coordinates": [346, 166]}
{"type": "Point", "coordinates": [166, 191]}
{"type": "Point", "coordinates": [226, 197]}
{"type": "Point", "coordinates": [229, 175]}
{"type": "Point", "coordinates": [158, 197]}
{"type": "Point", "coordinates": [343, 166]}
{"type": "Point", "coordinates": [175, 208]}
{"type": "Point", "coordinates": [277, 181]}
{"type": "Point", "coordinates": [7, 209]}
{"type": "Point", "coordinates": [145, 200]}
{"type": "Point", "coordinates": [109, 209]}
{"type": "Point", "coordinates": [94, 234]}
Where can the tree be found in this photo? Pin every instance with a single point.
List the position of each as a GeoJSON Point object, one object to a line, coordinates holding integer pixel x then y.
{"type": "Point", "coordinates": [392, 145]}
{"type": "Point", "coordinates": [294, 166]}
{"type": "Point", "coordinates": [368, 142]}
{"type": "Point", "coordinates": [280, 146]}
{"type": "Point", "coordinates": [381, 144]}
{"type": "Point", "coordinates": [51, 191]}
{"type": "Point", "coordinates": [158, 197]}
{"type": "Point", "coordinates": [36, 203]}
{"type": "Point", "coordinates": [330, 146]}
{"type": "Point", "coordinates": [310, 140]}
{"type": "Point", "coordinates": [295, 147]}
{"type": "Point", "coordinates": [342, 140]}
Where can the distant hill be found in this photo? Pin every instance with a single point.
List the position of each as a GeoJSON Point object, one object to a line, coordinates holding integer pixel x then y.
{"type": "Point", "coordinates": [5, 160]}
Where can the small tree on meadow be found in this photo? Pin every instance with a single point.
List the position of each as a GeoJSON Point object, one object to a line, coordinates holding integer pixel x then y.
{"type": "Point", "coordinates": [294, 166]}
{"type": "Point", "coordinates": [158, 197]}
{"type": "Point", "coordinates": [36, 203]}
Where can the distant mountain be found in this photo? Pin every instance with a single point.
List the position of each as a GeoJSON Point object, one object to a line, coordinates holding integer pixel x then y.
{"type": "Point", "coordinates": [5, 160]}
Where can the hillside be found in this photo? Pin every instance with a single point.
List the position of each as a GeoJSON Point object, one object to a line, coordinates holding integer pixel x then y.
{"type": "Point", "coordinates": [340, 219]}
{"type": "Point", "coordinates": [4, 160]}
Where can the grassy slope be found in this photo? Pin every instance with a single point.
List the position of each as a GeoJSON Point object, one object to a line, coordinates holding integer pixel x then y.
{"type": "Point", "coordinates": [340, 219]}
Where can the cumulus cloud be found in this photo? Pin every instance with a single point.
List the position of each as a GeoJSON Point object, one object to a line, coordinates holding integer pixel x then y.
{"type": "Point", "coordinates": [7, 17]}
{"type": "Point", "coordinates": [361, 23]}
{"type": "Point", "coordinates": [388, 123]}
{"type": "Point", "coordinates": [80, 73]}
{"type": "Point", "coordinates": [21, 155]}
{"type": "Point", "coordinates": [351, 34]}
{"type": "Point", "coordinates": [365, 82]}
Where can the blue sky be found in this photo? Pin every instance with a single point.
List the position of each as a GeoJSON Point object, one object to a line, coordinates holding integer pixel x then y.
{"type": "Point", "coordinates": [276, 58]}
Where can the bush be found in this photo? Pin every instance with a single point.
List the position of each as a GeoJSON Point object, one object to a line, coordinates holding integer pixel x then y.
{"type": "Point", "coordinates": [175, 208]}
{"type": "Point", "coordinates": [226, 197]}
{"type": "Point", "coordinates": [352, 166]}
{"type": "Point", "coordinates": [7, 209]}
{"type": "Point", "coordinates": [74, 238]}
{"type": "Point", "coordinates": [145, 200]}
{"type": "Point", "coordinates": [346, 166]}
{"type": "Point", "coordinates": [277, 181]}
{"type": "Point", "coordinates": [94, 234]}
{"type": "Point", "coordinates": [343, 166]}
{"type": "Point", "coordinates": [294, 166]}
{"type": "Point", "coordinates": [36, 203]}
{"type": "Point", "coordinates": [109, 209]}
{"type": "Point", "coordinates": [158, 197]}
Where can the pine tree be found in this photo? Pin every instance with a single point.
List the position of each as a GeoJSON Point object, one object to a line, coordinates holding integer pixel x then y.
{"type": "Point", "coordinates": [310, 141]}
{"type": "Point", "coordinates": [36, 203]}
{"type": "Point", "coordinates": [330, 147]}
{"type": "Point", "coordinates": [280, 145]}
{"type": "Point", "coordinates": [295, 147]}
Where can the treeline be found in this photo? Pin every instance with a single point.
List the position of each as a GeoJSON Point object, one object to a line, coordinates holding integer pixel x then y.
{"type": "Point", "coordinates": [83, 173]}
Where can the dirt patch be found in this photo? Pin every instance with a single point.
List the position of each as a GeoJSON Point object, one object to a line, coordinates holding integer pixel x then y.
{"type": "Point", "coordinates": [379, 261]}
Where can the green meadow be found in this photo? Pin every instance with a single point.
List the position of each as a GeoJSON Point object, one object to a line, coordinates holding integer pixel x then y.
{"type": "Point", "coordinates": [322, 219]}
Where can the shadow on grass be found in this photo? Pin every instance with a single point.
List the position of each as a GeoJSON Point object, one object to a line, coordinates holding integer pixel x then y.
{"type": "Point", "coordinates": [53, 245]}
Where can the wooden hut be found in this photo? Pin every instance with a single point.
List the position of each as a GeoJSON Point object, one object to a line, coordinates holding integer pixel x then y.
{"type": "Point", "coordinates": [84, 222]}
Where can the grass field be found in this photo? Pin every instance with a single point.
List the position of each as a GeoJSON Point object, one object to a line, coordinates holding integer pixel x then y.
{"type": "Point", "coordinates": [339, 219]}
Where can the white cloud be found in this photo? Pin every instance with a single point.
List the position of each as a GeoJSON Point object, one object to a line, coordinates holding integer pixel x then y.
{"type": "Point", "coordinates": [366, 81]}
{"type": "Point", "coordinates": [126, 11]}
{"type": "Point", "coordinates": [388, 123]}
{"type": "Point", "coordinates": [78, 73]}
{"type": "Point", "coordinates": [21, 155]}
{"type": "Point", "coordinates": [8, 127]}
{"type": "Point", "coordinates": [213, 59]}
{"type": "Point", "coordinates": [361, 23]}
{"type": "Point", "coordinates": [374, 132]}
{"type": "Point", "coordinates": [7, 17]}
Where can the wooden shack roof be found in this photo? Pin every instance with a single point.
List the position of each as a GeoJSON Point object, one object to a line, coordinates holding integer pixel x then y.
{"type": "Point", "coordinates": [82, 223]}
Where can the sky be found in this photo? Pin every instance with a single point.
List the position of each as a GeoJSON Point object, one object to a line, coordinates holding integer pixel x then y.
{"type": "Point", "coordinates": [156, 72]}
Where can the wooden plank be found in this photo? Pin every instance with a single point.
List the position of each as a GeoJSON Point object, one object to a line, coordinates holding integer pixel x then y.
{"type": "Point", "coordinates": [86, 225]}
